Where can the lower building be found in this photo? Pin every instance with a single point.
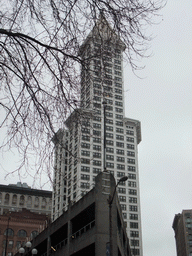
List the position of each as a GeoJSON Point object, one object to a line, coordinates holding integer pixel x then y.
{"type": "Point", "coordinates": [16, 228]}
{"type": "Point", "coordinates": [182, 225]}
{"type": "Point", "coordinates": [92, 226]}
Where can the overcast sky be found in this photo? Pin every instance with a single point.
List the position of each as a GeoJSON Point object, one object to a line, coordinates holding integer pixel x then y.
{"type": "Point", "coordinates": [162, 101]}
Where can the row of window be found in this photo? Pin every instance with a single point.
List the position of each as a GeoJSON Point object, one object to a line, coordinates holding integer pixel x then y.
{"type": "Point", "coordinates": [21, 233]}
{"type": "Point", "coordinates": [119, 174]}
{"type": "Point", "coordinates": [22, 200]}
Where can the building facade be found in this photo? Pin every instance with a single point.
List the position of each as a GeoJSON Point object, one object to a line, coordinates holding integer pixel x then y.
{"type": "Point", "coordinates": [14, 197]}
{"type": "Point", "coordinates": [182, 225]}
{"type": "Point", "coordinates": [98, 136]}
{"type": "Point", "coordinates": [16, 228]}
{"type": "Point", "coordinates": [80, 231]}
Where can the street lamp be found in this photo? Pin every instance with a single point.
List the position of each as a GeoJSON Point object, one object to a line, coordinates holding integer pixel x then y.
{"type": "Point", "coordinates": [28, 246]}
{"type": "Point", "coordinates": [110, 201]}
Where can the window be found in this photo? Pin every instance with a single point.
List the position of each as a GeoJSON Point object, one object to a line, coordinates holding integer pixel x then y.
{"type": "Point", "coordinates": [109, 108]}
{"type": "Point", "coordinates": [120, 159]}
{"type": "Point", "coordinates": [134, 234]}
{"type": "Point", "coordinates": [109, 121]}
{"type": "Point", "coordinates": [6, 200]}
{"type": "Point", "coordinates": [109, 150]}
{"type": "Point", "coordinates": [130, 146]}
{"type": "Point", "coordinates": [10, 232]}
{"type": "Point", "coordinates": [109, 128]}
{"type": "Point", "coordinates": [109, 142]}
{"type": "Point", "coordinates": [119, 116]}
{"type": "Point", "coordinates": [133, 208]}
{"type": "Point", "coordinates": [131, 153]}
{"type": "Point", "coordinates": [86, 137]}
{"type": "Point", "coordinates": [14, 200]}
{"type": "Point", "coordinates": [119, 137]}
{"type": "Point", "coordinates": [124, 215]}
{"type": "Point", "coordinates": [85, 177]}
{"type": "Point", "coordinates": [85, 185]}
{"type": "Point", "coordinates": [118, 85]}
{"type": "Point", "coordinates": [43, 203]}
{"type": "Point", "coordinates": [96, 162]}
{"type": "Point", "coordinates": [85, 130]}
{"type": "Point", "coordinates": [118, 91]}
{"type": "Point", "coordinates": [96, 155]}
{"type": "Point", "coordinates": [97, 126]}
{"type": "Point", "coordinates": [120, 144]}
{"type": "Point", "coordinates": [133, 216]}
{"type": "Point", "coordinates": [110, 165]}
{"type": "Point", "coordinates": [120, 151]}
{"type": "Point", "coordinates": [85, 153]}
{"type": "Point", "coordinates": [96, 133]}
{"type": "Point", "coordinates": [123, 207]}
{"type": "Point", "coordinates": [130, 139]}
{"type": "Point", "coordinates": [120, 130]}
{"type": "Point", "coordinates": [118, 103]}
{"type": "Point", "coordinates": [122, 198]}
{"type": "Point", "coordinates": [133, 200]}
{"type": "Point", "coordinates": [22, 233]}
{"type": "Point", "coordinates": [130, 161]}
{"type": "Point", "coordinates": [34, 234]}
{"type": "Point", "coordinates": [110, 157]}
{"type": "Point", "coordinates": [97, 118]}
{"type": "Point", "coordinates": [108, 114]}
{"type": "Point", "coordinates": [120, 174]}
{"type": "Point", "coordinates": [133, 225]}
{"type": "Point", "coordinates": [132, 176]}
{"type": "Point", "coordinates": [122, 190]}
{"type": "Point", "coordinates": [96, 170]}
{"type": "Point", "coordinates": [85, 161]}
{"type": "Point", "coordinates": [109, 135]}
{"type": "Point", "coordinates": [36, 202]}
{"type": "Point", "coordinates": [120, 166]}
{"type": "Point", "coordinates": [118, 123]}
{"type": "Point", "coordinates": [132, 184]}
{"type": "Point", "coordinates": [129, 132]}
{"type": "Point", "coordinates": [97, 147]}
{"type": "Point", "coordinates": [97, 140]}
{"type": "Point", "coordinates": [134, 242]}
{"type": "Point", "coordinates": [29, 201]}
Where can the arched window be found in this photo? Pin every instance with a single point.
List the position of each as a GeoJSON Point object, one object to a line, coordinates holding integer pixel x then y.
{"type": "Point", "coordinates": [10, 232]}
{"type": "Point", "coordinates": [22, 200]}
{"type": "Point", "coordinates": [44, 203]}
{"type": "Point", "coordinates": [14, 200]}
{"type": "Point", "coordinates": [29, 201]}
{"type": "Point", "coordinates": [36, 202]}
{"type": "Point", "coordinates": [34, 234]}
{"type": "Point", "coordinates": [22, 233]}
{"type": "Point", "coordinates": [6, 201]}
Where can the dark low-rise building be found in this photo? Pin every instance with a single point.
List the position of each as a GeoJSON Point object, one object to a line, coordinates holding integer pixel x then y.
{"type": "Point", "coordinates": [84, 229]}
{"type": "Point", "coordinates": [182, 225]}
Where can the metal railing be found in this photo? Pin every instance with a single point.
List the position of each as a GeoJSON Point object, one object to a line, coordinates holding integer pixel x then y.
{"type": "Point", "coordinates": [83, 230]}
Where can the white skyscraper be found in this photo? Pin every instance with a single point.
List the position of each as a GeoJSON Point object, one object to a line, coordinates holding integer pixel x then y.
{"type": "Point", "coordinates": [79, 154]}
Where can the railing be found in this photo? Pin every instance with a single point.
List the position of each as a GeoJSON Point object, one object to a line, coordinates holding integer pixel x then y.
{"type": "Point", "coordinates": [83, 230]}
{"type": "Point", "coordinates": [56, 247]}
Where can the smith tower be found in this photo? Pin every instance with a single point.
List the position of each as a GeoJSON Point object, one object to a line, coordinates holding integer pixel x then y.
{"type": "Point", "coordinates": [80, 154]}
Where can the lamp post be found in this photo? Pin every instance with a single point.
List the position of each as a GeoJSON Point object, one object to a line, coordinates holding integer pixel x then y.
{"type": "Point", "coordinates": [110, 201]}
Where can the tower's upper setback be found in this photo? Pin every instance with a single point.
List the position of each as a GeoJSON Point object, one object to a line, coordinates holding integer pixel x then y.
{"type": "Point", "coordinates": [98, 73]}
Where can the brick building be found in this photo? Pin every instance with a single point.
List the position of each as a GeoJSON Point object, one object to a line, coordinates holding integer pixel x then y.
{"type": "Point", "coordinates": [18, 227]}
